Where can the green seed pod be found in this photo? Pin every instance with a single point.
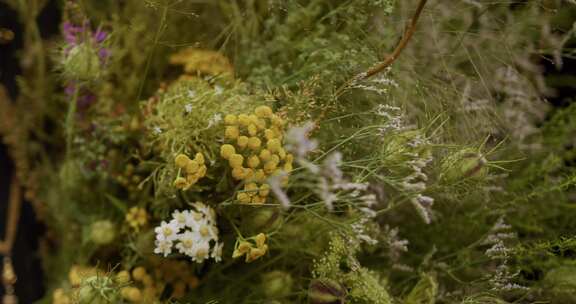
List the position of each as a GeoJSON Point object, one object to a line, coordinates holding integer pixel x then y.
{"type": "Point", "coordinates": [464, 164]}
{"type": "Point", "coordinates": [560, 283]}
{"type": "Point", "coordinates": [102, 232]}
{"type": "Point", "coordinates": [264, 219]}
{"type": "Point", "coordinates": [399, 145]}
{"type": "Point", "coordinates": [277, 284]}
{"type": "Point", "coordinates": [82, 63]}
{"type": "Point", "coordinates": [326, 291]}
{"type": "Point", "coordinates": [97, 290]}
{"type": "Point", "coordinates": [424, 292]}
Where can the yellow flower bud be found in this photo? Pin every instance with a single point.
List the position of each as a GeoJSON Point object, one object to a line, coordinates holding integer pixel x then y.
{"type": "Point", "coordinates": [258, 200]}
{"type": "Point", "coordinates": [147, 280]}
{"type": "Point", "coordinates": [288, 167]}
{"type": "Point", "coordinates": [180, 183]}
{"type": "Point", "coordinates": [282, 153]}
{"type": "Point", "coordinates": [273, 145]}
{"type": "Point", "coordinates": [192, 167]}
{"type": "Point", "coordinates": [199, 158]}
{"type": "Point", "coordinates": [243, 119]}
{"type": "Point", "coordinates": [277, 121]}
{"type": "Point", "coordinates": [230, 119]}
{"type": "Point", "coordinates": [252, 130]}
{"type": "Point", "coordinates": [226, 151]}
{"type": "Point", "coordinates": [256, 253]}
{"type": "Point", "coordinates": [263, 111]}
{"type": "Point", "coordinates": [123, 277]}
{"type": "Point", "coordinates": [289, 158]}
{"type": "Point", "coordinates": [265, 155]}
{"type": "Point", "coordinates": [202, 171]}
{"type": "Point", "coordinates": [238, 173]}
{"type": "Point", "coordinates": [244, 198]}
{"type": "Point", "coordinates": [236, 160]}
{"type": "Point", "coordinates": [181, 160]}
{"type": "Point", "coordinates": [269, 134]}
{"type": "Point", "coordinates": [253, 119]}
{"type": "Point", "coordinates": [131, 294]}
{"type": "Point", "coordinates": [260, 240]}
{"type": "Point", "coordinates": [242, 141]}
{"type": "Point", "coordinates": [241, 249]}
{"type": "Point", "coordinates": [253, 161]}
{"type": "Point", "coordinates": [249, 173]}
{"type": "Point", "coordinates": [261, 124]}
{"type": "Point", "coordinates": [138, 273]}
{"type": "Point", "coordinates": [275, 158]}
{"type": "Point", "coordinates": [232, 132]}
{"type": "Point", "coordinates": [254, 143]}
{"type": "Point", "coordinates": [264, 190]}
{"type": "Point", "coordinates": [251, 188]}
{"type": "Point", "coordinates": [270, 167]}
{"type": "Point", "coordinates": [259, 176]}
{"type": "Point", "coordinates": [191, 179]}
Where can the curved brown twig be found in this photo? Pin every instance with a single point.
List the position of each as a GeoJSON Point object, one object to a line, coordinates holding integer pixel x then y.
{"type": "Point", "coordinates": [381, 66]}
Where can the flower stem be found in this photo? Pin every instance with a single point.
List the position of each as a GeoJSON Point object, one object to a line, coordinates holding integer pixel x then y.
{"type": "Point", "coordinates": [381, 66]}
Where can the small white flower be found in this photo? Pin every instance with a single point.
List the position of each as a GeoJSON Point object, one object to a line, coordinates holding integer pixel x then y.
{"type": "Point", "coordinates": [191, 94]}
{"type": "Point", "coordinates": [188, 108]}
{"type": "Point", "coordinates": [200, 252]}
{"type": "Point", "coordinates": [157, 130]}
{"type": "Point", "coordinates": [181, 218]}
{"type": "Point", "coordinates": [199, 232]}
{"type": "Point", "coordinates": [186, 244]}
{"type": "Point", "coordinates": [217, 252]}
{"type": "Point", "coordinates": [163, 247]}
{"type": "Point", "coordinates": [218, 90]}
{"type": "Point", "coordinates": [167, 231]}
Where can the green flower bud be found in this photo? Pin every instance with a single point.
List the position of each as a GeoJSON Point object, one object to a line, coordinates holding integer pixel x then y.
{"type": "Point", "coordinates": [326, 291]}
{"type": "Point", "coordinates": [102, 232]}
{"type": "Point", "coordinates": [276, 284]}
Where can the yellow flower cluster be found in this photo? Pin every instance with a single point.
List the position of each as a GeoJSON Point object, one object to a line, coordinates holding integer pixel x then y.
{"type": "Point", "coordinates": [137, 218]}
{"type": "Point", "coordinates": [254, 247]}
{"type": "Point", "coordinates": [195, 169]}
{"type": "Point", "coordinates": [254, 151]}
{"type": "Point", "coordinates": [143, 289]}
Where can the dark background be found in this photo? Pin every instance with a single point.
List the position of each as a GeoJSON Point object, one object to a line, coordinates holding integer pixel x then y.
{"type": "Point", "coordinates": [29, 287]}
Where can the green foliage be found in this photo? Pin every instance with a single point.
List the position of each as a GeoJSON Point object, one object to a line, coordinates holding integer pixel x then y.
{"type": "Point", "coordinates": [444, 179]}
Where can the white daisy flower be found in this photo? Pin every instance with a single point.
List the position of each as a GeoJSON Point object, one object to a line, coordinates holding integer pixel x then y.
{"type": "Point", "coordinates": [167, 231]}
{"type": "Point", "coordinates": [199, 237]}
{"type": "Point", "coordinates": [200, 252]}
{"type": "Point", "coordinates": [163, 247]}
{"type": "Point", "coordinates": [181, 218]}
{"type": "Point", "coordinates": [186, 244]}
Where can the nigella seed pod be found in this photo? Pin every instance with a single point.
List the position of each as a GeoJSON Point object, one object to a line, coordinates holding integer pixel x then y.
{"type": "Point", "coordinates": [102, 232]}
{"type": "Point", "coordinates": [326, 291]}
{"type": "Point", "coordinates": [464, 164]}
{"type": "Point", "coordinates": [277, 284]}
